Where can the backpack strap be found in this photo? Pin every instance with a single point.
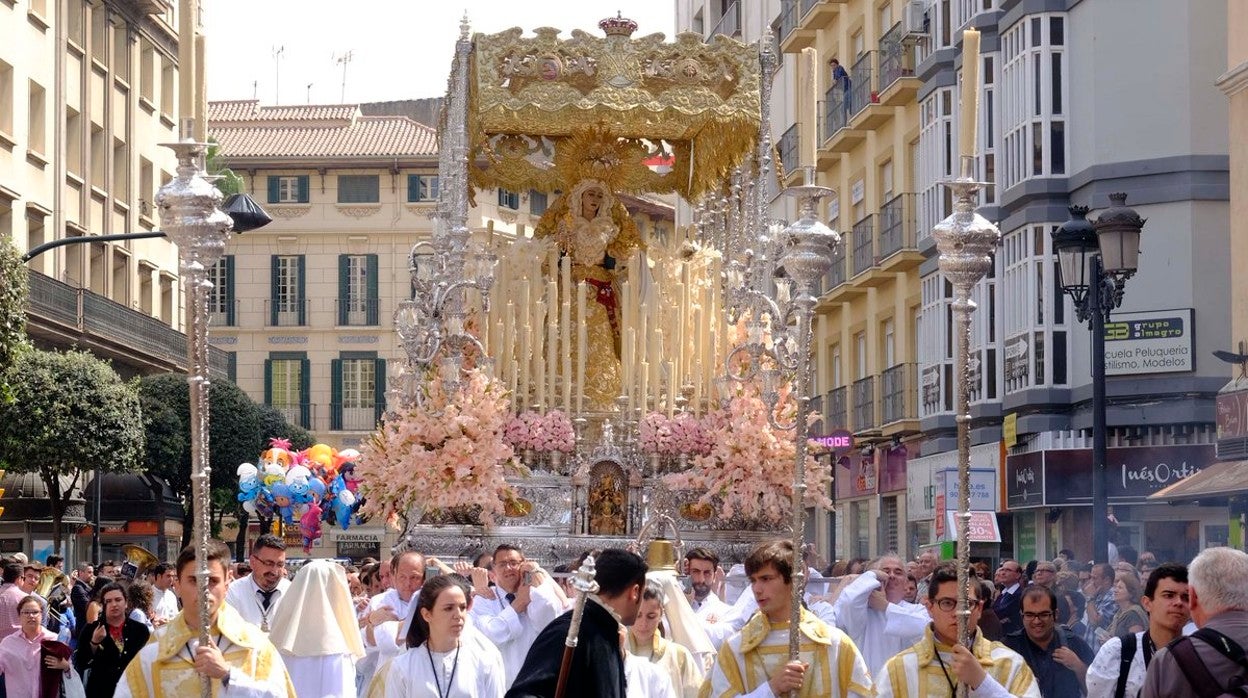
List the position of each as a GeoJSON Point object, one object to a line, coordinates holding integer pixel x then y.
{"type": "Point", "coordinates": [1223, 644]}
{"type": "Point", "coordinates": [1124, 664]}
{"type": "Point", "coordinates": [1194, 668]}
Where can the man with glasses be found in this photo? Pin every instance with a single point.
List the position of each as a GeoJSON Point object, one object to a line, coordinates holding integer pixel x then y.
{"type": "Point", "coordinates": [523, 605]}
{"type": "Point", "coordinates": [1056, 656]}
{"type": "Point", "coordinates": [1045, 575]}
{"type": "Point", "coordinates": [937, 663]}
{"type": "Point", "coordinates": [1008, 604]}
{"type": "Point", "coordinates": [257, 595]}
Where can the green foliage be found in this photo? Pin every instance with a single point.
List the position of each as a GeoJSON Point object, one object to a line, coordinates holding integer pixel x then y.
{"type": "Point", "coordinates": [233, 430]}
{"type": "Point", "coordinates": [229, 182]}
{"type": "Point", "coordinates": [273, 425]}
{"type": "Point", "coordinates": [13, 290]}
{"type": "Point", "coordinates": [70, 412]}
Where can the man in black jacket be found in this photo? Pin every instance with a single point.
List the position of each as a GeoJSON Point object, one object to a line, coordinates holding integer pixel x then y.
{"type": "Point", "coordinates": [598, 662]}
{"type": "Point", "coordinates": [1008, 604]}
{"type": "Point", "coordinates": [107, 645]}
{"type": "Point", "coordinates": [80, 595]}
{"type": "Point", "coordinates": [1057, 657]}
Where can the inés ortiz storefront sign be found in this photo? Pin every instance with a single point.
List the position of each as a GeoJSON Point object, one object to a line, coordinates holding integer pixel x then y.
{"type": "Point", "coordinates": [1064, 477]}
{"type": "Point", "coordinates": [1151, 342]}
{"type": "Point", "coordinates": [856, 476]}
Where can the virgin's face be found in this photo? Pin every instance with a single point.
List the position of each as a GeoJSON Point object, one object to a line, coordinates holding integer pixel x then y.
{"type": "Point", "coordinates": [446, 618]}
{"type": "Point", "coordinates": [591, 201]}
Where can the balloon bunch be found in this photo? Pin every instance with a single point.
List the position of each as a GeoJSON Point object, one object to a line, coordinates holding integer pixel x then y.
{"type": "Point", "coordinates": [304, 487]}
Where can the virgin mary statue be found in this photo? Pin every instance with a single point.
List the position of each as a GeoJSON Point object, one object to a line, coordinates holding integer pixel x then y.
{"type": "Point", "coordinates": [593, 229]}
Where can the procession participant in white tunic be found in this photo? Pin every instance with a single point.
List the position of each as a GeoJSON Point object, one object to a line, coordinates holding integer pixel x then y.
{"type": "Point", "coordinates": [257, 596]}
{"type": "Point", "coordinates": [521, 609]}
{"type": "Point", "coordinates": [385, 614]}
{"type": "Point", "coordinates": [646, 641]}
{"type": "Point", "coordinates": [873, 611]}
{"type": "Point", "coordinates": [317, 633]}
{"type": "Point", "coordinates": [442, 663]}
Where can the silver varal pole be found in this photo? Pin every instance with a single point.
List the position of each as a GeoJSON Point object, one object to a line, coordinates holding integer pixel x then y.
{"type": "Point", "coordinates": [192, 219]}
{"type": "Point", "coordinates": [966, 241]}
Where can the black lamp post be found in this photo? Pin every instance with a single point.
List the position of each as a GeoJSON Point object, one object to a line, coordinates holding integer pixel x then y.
{"type": "Point", "coordinates": [1094, 262]}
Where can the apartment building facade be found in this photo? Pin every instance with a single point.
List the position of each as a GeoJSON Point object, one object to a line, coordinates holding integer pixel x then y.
{"type": "Point", "coordinates": [1068, 114]}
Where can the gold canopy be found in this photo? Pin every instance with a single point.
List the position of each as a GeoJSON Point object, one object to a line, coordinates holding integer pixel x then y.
{"type": "Point", "coordinates": [545, 112]}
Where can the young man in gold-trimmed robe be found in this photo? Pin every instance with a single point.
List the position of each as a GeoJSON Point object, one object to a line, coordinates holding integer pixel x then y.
{"type": "Point", "coordinates": [937, 663]}
{"type": "Point", "coordinates": [754, 663]}
{"type": "Point", "coordinates": [241, 662]}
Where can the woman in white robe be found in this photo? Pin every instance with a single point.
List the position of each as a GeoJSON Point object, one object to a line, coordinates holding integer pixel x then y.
{"type": "Point", "coordinates": [316, 632]}
{"type": "Point", "coordinates": [646, 642]}
{"type": "Point", "coordinates": [443, 662]}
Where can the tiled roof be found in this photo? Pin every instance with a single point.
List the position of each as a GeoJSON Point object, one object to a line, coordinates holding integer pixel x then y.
{"type": "Point", "coordinates": [250, 110]}
{"type": "Point", "coordinates": [246, 130]}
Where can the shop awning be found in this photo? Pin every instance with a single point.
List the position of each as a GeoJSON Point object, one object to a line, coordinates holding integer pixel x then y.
{"type": "Point", "coordinates": [1219, 480]}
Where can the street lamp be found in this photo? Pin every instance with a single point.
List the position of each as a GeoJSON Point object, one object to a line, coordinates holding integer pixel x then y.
{"type": "Point", "coordinates": [1094, 262]}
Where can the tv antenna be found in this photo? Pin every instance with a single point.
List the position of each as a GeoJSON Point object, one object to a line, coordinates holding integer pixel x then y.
{"type": "Point", "coordinates": [309, 93]}
{"type": "Point", "coordinates": [344, 59]}
{"type": "Point", "coordinates": [277, 73]}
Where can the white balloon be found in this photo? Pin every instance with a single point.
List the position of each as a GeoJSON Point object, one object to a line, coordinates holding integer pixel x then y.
{"type": "Point", "coordinates": [249, 506]}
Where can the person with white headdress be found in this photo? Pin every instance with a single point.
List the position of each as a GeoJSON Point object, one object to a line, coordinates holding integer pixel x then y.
{"type": "Point", "coordinates": [646, 641]}
{"type": "Point", "coordinates": [444, 660]}
{"type": "Point", "coordinates": [316, 632]}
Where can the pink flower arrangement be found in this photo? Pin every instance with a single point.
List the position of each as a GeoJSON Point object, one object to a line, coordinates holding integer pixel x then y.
{"type": "Point", "coordinates": [748, 465]}
{"type": "Point", "coordinates": [557, 433]}
{"type": "Point", "coordinates": [526, 430]}
{"type": "Point", "coordinates": [448, 452]}
{"type": "Point", "coordinates": [688, 435]}
{"type": "Point", "coordinates": [655, 435]}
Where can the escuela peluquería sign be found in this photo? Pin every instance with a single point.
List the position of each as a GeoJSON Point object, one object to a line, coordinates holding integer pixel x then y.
{"type": "Point", "coordinates": [1158, 341]}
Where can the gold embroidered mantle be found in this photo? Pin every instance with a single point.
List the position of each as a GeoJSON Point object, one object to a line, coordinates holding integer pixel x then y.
{"type": "Point", "coordinates": [692, 102]}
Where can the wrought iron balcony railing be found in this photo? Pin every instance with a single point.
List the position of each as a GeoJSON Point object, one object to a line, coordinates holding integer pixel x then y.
{"type": "Point", "coordinates": [896, 382]}
{"type": "Point", "coordinates": [788, 147]}
{"type": "Point", "coordinates": [897, 225]}
{"type": "Point", "coordinates": [837, 415]}
{"type": "Point", "coordinates": [730, 24]}
{"type": "Point", "coordinates": [896, 58]}
{"type": "Point", "coordinates": [864, 403]}
{"type": "Point", "coordinates": [862, 76]}
{"type": "Point", "coordinates": [864, 244]}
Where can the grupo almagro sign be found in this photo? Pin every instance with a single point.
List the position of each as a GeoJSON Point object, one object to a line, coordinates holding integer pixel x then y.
{"type": "Point", "coordinates": [1159, 341]}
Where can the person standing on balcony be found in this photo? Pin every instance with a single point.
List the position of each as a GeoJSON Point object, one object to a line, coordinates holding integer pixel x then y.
{"type": "Point", "coordinates": [840, 78]}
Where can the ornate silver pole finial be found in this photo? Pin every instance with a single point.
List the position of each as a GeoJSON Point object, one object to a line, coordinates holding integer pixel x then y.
{"type": "Point", "coordinates": [583, 582]}
{"type": "Point", "coordinates": [191, 218]}
{"type": "Point", "coordinates": [464, 27]}
{"type": "Point", "coordinates": [966, 241]}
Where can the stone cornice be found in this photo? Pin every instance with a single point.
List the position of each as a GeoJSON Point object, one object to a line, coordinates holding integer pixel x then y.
{"type": "Point", "coordinates": [1233, 81]}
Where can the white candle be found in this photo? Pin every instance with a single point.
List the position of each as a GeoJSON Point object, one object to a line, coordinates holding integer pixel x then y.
{"type": "Point", "coordinates": [580, 347]}
{"type": "Point", "coordinates": [970, 93]}
{"type": "Point", "coordinates": [565, 332]}
{"type": "Point", "coordinates": [643, 391]}
{"type": "Point", "coordinates": [540, 374]}
{"type": "Point", "coordinates": [808, 102]}
{"type": "Point", "coordinates": [628, 355]}
{"type": "Point", "coordinates": [671, 387]}
{"type": "Point", "coordinates": [526, 333]}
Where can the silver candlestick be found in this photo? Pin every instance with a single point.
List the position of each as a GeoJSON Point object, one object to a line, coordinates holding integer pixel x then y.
{"type": "Point", "coordinates": [966, 241]}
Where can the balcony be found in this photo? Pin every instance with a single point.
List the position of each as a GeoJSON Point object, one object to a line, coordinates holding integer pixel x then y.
{"type": "Point", "coordinates": [865, 109]}
{"type": "Point", "coordinates": [864, 404]}
{"type": "Point", "coordinates": [730, 24]}
{"type": "Point", "coordinates": [301, 414]}
{"type": "Point", "coordinates": [899, 398]}
{"type": "Point", "coordinates": [788, 148]}
{"type": "Point", "coordinates": [836, 135]}
{"type": "Point", "coordinates": [864, 246]}
{"type": "Point", "coordinates": [836, 414]}
{"type": "Point", "coordinates": [898, 85]}
{"type": "Point", "coordinates": [62, 315]}
{"type": "Point", "coordinates": [793, 36]}
{"type": "Point", "coordinates": [222, 313]}
{"type": "Point", "coordinates": [819, 14]}
{"type": "Point", "coordinates": [898, 248]}
{"type": "Point", "coordinates": [355, 416]}
{"type": "Point", "coordinates": [356, 312]}
{"type": "Point", "coordinates": [835, 288]}
{"type": "Point", "coordinates": [286, 312]}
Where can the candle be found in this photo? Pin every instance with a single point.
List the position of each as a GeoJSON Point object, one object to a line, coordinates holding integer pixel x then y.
{"type": "Point", "coordinates": [808, 102]}
{"type": "Point", "coordinates": [514, 371]}
{"type": "Point", "coordinates": [671, 387]}
{"type": "Point", "coordinates": [970, 93]}
{"type": "Point", "coordinates": [523, 396]}
{"type": "Point", "coordinates": [645, 385]}
{"type": "Point", "coordinates": [565, 331]}
{"type": "Point", "coordinates": [628, 359]}
{"type": "Point", "coordinates": [540, 375]}
{"type": "Point", "coordinates": [580, 348]}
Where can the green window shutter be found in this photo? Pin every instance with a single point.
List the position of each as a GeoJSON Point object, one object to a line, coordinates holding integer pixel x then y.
{"type": "Point", "coordinates": [413, 187]}
{"type": "Point", "coordinates": [433, 187]}
{"type": "Point", "coordinates": [231, 366]}
{"type": "Point", "coordinates": [302, 294]}
{"type": "Point", "coordinates": [344, 283]}
{"type": "Point", "coordinates": [303, 189]}
{"type": "Point", "coordinates": [229, 290]}
{"type": "Point", "coordinates": [268, 381]}
{"type": "Point", "coordinates": [335, 395]}
{"type": "Point", "coordinates": [305, 393]}
{"type": "Point", "coordinates": [274, 192]}
{"type": "Point", "coordinates": [274, 263]}
{"type": "Point", "coordinates": [373, 300]}
{"type": "Point", "coordinates": [379, 387]}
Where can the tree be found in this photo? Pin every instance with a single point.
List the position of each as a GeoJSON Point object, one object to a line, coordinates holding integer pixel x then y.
{"type": "Point", "coordinates": [273, 425]}
{"type": "Point", "coordinates": [233, 435]}
{"type": "Point", "coordinates": [13, 290]}
{"type": "Point", "coordinates": [228, 181]}
{"type": "Point", "coordinates": [70, 413]}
